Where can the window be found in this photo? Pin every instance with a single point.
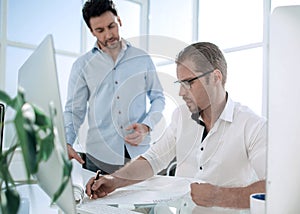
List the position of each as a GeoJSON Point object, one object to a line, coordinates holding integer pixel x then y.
{"type": "Point", "coordinates": [237, 28]}
{"type": "Point", "coordinates": [245, 77]}
{"type": "Point", "coordinates": [15, 57]}
{"type": "Point", "coordinates": [231, 23]}
{"type": "Point", "coordinates": [1, 14]}
{"type": "Point", "coordinates": [29, 21]}
{"type": "Point", "coordinates": [25, 23]}
{"type": "Point", "coordinates": [172, 18]}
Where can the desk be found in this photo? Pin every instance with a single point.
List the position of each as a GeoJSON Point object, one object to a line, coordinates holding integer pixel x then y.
{"type": "Point", "coordinates": [158, 195]}
{"type": "Point", "coordinates": [39, 201]}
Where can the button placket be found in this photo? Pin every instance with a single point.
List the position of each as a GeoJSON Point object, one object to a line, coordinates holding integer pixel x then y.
{"type": "Point", "coordinates": [202, 149]}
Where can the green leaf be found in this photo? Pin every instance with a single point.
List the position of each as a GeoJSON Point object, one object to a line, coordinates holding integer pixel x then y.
{"type": "Point", "coordinates": [41, 118]}
{"type": "Point", "coordinates": [46, 141]}
{"type": "Point", "coordinates": [17, 102]}
{"type": "Point", "coordinates": [4, 169]}
{"type": "Point", "coordinates": [37, 141]}
{"type": "Point", "coordinates": [10, 201]}
{"type": "Point", "coordinates": [4, 97]}
{"type": "Point", "coordinates": [46, 147]}
{"type": "Point", "coordinates": [28, 143]}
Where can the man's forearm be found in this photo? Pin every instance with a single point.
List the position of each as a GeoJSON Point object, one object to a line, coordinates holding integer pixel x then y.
{"type": "Point", "coordinates": [238, 197]}
{"type": "Point", "coordinates": [133, 172]}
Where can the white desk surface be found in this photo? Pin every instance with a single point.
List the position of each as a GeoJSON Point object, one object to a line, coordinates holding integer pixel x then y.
{"type": "Point", "coordinates": [168, 193]}
{"type": "Point", "coordinates": [171, 195]}
{"type": "Point", "coordinates": [39, 201]}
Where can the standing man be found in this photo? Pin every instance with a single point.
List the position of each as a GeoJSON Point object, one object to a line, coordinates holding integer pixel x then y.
{"type": "Point", "coordinates": [111, 83]}
{"type": "Point", "coordinates": [218, 141]}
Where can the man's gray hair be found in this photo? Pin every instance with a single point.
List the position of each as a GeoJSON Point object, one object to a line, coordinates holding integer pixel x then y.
{"type": "Point", "coordinates": [206, 56]}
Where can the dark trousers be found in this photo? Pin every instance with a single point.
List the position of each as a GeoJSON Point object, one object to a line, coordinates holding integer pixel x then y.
{"type": "Point", "coordinates": [93, 164]}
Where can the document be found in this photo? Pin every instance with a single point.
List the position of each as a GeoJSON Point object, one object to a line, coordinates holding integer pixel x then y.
{"type": "Point", "coordinates": [152, 191]}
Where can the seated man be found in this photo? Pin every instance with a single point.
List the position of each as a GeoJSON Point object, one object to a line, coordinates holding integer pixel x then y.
{"type": "Point", "coordinates": [213, 138]}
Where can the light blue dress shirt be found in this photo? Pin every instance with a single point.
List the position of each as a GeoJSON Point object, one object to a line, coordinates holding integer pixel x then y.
{"type": "Point", "coordinates": [114, 95]}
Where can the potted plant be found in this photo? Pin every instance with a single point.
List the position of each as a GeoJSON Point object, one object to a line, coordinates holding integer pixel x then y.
{"type": "Point", "coordinates": [35, 138]}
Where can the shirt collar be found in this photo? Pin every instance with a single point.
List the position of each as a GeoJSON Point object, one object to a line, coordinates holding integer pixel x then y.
{"type": "Point", "coordinates": [226, 115]}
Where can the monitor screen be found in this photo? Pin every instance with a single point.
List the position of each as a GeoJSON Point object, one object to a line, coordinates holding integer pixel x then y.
{"type": "Point", "coordinates": [38, 78]}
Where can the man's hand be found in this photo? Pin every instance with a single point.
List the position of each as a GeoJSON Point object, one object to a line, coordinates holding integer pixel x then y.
{"type": "Point", "coordinates": [73, 154]}
{"type": "Point", "coordinates": [100, 187]}
{"type": "Point", "coordinates": [204, 194]}
{"type": "Point", "coordinates": [138, 134]}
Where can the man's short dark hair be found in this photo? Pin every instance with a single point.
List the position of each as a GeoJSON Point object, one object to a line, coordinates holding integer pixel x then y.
{"type": "Point", "coordinates": [94, 8]}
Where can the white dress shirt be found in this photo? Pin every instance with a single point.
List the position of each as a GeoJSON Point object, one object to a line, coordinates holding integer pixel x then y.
{"type": "Point", "coordinates": [233, 154]}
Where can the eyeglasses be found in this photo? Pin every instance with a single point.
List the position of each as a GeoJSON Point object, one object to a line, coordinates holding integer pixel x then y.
{"type": "Point", "coordinates": [187, 83]}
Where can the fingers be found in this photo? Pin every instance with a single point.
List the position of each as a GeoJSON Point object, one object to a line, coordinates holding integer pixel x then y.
{"type": "Point", "coordinates": [135, 138]}
{"type": "Point", "coordinates": [132, 136]}
{"type": "Point", "coordinates": [95, 188]}
{"type": "Point", "coordinates": [98, 194]}
{"type": "Point", "coordinates": [78, 158]}
{"type": "Point", "coordinates": [98, 190]}
{"type": "Point", "coordinates": [88, 186]}
{"type": "Point", "coordinates": [73, 154]}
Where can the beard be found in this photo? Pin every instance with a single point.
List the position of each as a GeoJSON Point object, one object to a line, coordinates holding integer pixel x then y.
{"type": "Point", "coordinates": [110, 43]}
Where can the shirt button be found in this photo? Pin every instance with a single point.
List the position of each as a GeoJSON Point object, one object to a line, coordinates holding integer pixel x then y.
{"type": "Point", "coordinates": [200, 168]}
{"type": "Point", "coordinates": [121, 127]}
{"type": "Point", "coordinates": [202, 149]}
{"type": "Point", "coordinates": [118, 97]}
{"type": "Point", "coordinates": [120, 112]}
{"type": "Point", "coordinates": [116, 82]}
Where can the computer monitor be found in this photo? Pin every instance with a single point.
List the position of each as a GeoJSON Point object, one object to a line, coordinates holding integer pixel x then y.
{"type": "Point", "coordinates": [38, 78]}
{"type": "Point", "coordinates": [283, 114]}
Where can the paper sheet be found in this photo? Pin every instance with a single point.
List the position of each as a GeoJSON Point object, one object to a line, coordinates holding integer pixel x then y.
{"type": "Point", "coordinates": [151, 191]}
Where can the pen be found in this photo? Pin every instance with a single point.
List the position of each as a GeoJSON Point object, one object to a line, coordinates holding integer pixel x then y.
{"type": "Point", "coordinates": [98, 175]}
{"type": "Point", "coordinates": [96, 178]}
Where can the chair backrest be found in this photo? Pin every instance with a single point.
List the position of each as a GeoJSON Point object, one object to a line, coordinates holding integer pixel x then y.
{"type": "Point", "coordinates": [2, 112]}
